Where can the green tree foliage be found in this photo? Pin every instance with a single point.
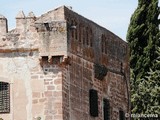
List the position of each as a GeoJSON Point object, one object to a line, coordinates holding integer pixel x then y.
{"type": "Point", "coordinates": [144, 41]}
{"type": "Point", "coordinates": [146, 97]}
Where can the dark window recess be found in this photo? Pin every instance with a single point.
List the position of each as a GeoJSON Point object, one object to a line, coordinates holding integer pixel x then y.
{"type": "Point", "coordinates": [84, 36]}
{"type": "Point", "coordinates": [47, 26]}
{"type": "Point", "coordinates": [106, 109]}
{"type": "Point", "coordinates": [76, 32]}
{"type": "Point", "coordinates": [102, 47]}
{"type": "Point", "coordinates": [91, 41]}
{"type": "Point", "coordinates": [93, 100]}
{"type": "Point", "coordinates": [100, 71]}
{"type": "Point", "coordinates": [121, 115]}
{"type": "Point", "coordinates": [53, 60]}
{"type": "Point", "coordinates": [103, 43]}
{"type": "Point", "coordinates": [80, 34]}
{"type": "Point", "coordinates": [45, 59]}
{"type": "Point", "coordinates": [57, 59]}
{"type": "Point", "coordinates": [87, 38]}
{"type": "Point", "coordinates": [91, 37]}
{"type": "Point", "coordinates": [4, 97]}
{"type": "Point", "coordinates": [105, 49]}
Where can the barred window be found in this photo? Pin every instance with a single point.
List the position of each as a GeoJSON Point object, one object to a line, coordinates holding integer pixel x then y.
{"type": "Point", "coordinates": [4, 97]}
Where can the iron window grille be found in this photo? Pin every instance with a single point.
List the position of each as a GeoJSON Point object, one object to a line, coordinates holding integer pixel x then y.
{"type": "Point", "coordinates": [4, 97]}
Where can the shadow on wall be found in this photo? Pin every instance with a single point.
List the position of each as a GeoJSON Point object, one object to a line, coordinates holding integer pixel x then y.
{"type": "Point", "coordinates": [53, 63]}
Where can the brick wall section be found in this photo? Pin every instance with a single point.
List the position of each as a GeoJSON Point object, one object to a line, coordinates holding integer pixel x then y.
{"type": "Point", "coordinates": [85, 53]}
{"type": "Point", "coordinates": [48, 96]}
{"type": "Point", "coordinates": [81, 74]}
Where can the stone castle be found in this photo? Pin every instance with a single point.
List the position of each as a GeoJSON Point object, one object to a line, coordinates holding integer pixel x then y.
{"type": "Point", "coordinates": [62, 66]}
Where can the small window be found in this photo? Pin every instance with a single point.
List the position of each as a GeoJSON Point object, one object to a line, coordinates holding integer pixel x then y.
{"type": "Point", "coordinates": [76, 31]}
{"type": "Point", "coordinates": [93, 99]}
{"type": "Point", "coordinates": [103, 44]}
{"type": "Point", "coordinates": [4, 97]}
{"type": "Point", "coordinates": [87, 36]}
{"type": "Point", "coordinates": [45, 59]}
{"type": "Point", "coordinates": [84, 36]}
{"type": "Point", "coordinates": [121, 115]}
{"type": "Point", "coordinates": [106, 109]}
{"type": "Point", "coordinates": [57, 59]}
{"type": "Point", "coordinates": [80, 33]}
{"type": "Point", "coordinates": [47, 26]}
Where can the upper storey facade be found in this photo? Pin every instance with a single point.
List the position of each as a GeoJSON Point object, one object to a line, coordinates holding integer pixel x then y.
{"type": "Point", "coordinates": [65, 29]}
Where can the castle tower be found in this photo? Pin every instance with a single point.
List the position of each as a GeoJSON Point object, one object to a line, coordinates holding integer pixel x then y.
{"type": "Point", "coordinates": [21, 22]}
{"type": "Point", "coordinates": [3, 25]}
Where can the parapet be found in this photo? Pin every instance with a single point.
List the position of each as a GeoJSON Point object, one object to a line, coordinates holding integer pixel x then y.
{"type": "Point", "coordinates": [45, 35]}
{"type": "Point", "coordinates": [23, 37]}
{"type": "Point", "coordinates": [23, 23]}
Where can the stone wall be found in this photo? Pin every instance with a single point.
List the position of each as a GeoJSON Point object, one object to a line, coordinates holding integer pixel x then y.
{"type": "Point", "coordinates": [52, 62]}
{"type": "Point", "coordinates": [36, 91]}
{"type": "Point", "coordinates": [90, 45]}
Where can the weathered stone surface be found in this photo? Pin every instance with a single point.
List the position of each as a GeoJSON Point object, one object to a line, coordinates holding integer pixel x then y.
{"type": "Point", "coordinates": [49, 62]}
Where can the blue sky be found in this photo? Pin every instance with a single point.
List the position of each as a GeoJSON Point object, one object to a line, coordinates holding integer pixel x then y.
{"type": "Point", "coordinates": [111, 14]}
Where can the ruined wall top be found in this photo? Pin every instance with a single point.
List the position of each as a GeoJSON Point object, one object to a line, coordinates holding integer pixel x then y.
{"type": "Point", "coordinates": [45, 34]}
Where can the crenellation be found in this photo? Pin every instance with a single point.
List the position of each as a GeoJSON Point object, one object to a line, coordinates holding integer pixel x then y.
{"type": "Point", "coordinates": [31, 18]}
{"type": "Point", "coordinates": [21, 22]}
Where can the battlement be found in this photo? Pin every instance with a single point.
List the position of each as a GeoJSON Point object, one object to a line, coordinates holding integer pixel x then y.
{"type": "Point", "coordinates": [23, 37]}
{"type": "Point", "coordinates": [46, 34]}
{"type": "Point", "coordinates": [36, 35]}
{"type": "Point", "coordinates": [59, 30]}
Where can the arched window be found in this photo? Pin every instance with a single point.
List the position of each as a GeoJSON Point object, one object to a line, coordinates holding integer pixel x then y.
{"type": "Point", "coordinates": [103, 44]}
{"type": "Point", "coordinates": [84, 36]}
{"type": "Point", "coordinates": [91, 38]}
{"type": "Point", "coordinates": [4, 97]}
{"type": "Point", "coordinates": [80, 33]}
{"type": "Point", "coordinates": [87, 36]}
{"type": "Point", "coordinates": [74, 27]}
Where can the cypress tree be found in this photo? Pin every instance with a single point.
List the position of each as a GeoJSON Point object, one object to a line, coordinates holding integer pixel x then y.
{"type": "Point", "coordinates": [144, 41]}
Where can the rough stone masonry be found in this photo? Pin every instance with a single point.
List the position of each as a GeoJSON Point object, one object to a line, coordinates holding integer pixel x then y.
{"type": "Point", "coordinates": [62, 66]}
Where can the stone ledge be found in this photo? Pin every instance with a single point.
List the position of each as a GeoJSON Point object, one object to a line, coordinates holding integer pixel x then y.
{"type": "Point", "coordinates": [18, 50]}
